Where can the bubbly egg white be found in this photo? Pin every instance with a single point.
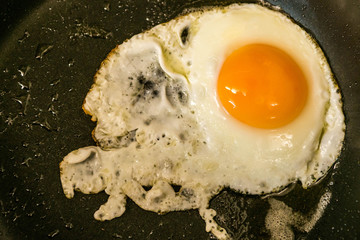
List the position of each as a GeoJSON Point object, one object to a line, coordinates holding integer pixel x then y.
{"type": "Point", "coordinates": [159, 121]}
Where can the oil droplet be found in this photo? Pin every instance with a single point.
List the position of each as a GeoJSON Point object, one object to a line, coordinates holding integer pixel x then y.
{"type": "Point", "coordinates": [25, 36]}
{"type": "Point", "coordinates": [54, 233]}
{"type": "Point", "coordinates": [116, 235]}
{"type": "Point", "coordinates": [26, 161]}
{"type": "Point", "coordinates": [30, 214]}
{"type": "Point", "coordinates": [18, 101]}
{"type": "Point", "coordinates": [84, 30]}
{"type": "Point", "coordinates": [10, 121]}
{"type": "Point", "coordinates": [52, 110]}
{"type": "Point", "coordinates": [12, 193]}
{"type": "Point", "coordinates": [23, 70]}
{"type": "Point", "coordinates": [27, 101]}
{"type": "Point", "coordinates": [71, 62]}
{"type": "Point", "coordinates": [55, 97]}
{"type": "Point", "coordinates": [45, 124]}
{"type": "Point", "coordinates": [107, 6]}
{"type": "Point", "coordinates": [40, 204]}
{"type": "Point", "coordinates": [42, 49]}
{"type": "Point", "coordinates": [69, 225]}
{"type": "Point", "coordinates": [23, 86]}
{"type": "Point", "coordinates": [55, 82]}
{"type": "Point", "coordinates": [16, 217]}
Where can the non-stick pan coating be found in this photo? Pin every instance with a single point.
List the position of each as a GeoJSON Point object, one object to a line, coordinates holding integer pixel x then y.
{"type": "Point", "coordinates": [50, 51]}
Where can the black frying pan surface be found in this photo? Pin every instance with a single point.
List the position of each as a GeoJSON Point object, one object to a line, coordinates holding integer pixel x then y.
{"type": "Point", "coordinates": [50, 51]}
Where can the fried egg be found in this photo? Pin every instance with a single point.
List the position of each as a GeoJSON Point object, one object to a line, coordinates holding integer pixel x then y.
{"type": "Point", "coordinates": [237, 97]}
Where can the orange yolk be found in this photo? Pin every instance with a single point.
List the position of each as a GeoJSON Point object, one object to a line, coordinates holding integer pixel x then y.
{"type": "Point", "coordinates": [262, 86]}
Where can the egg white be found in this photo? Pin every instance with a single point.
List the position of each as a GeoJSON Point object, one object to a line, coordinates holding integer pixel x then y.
{"type": "Point", "coordinates": [159, 121]}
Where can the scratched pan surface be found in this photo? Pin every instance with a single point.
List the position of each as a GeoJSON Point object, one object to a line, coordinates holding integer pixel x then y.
{"type": "Point", "coordinates": [50, 51]}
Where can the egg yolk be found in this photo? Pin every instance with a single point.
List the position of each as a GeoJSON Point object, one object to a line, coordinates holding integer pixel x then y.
{"type": "Point", "coordinates": [262, 86]}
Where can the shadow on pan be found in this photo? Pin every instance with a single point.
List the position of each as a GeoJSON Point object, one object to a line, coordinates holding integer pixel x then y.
{"type": "Point", "coordinates": [50, 51]}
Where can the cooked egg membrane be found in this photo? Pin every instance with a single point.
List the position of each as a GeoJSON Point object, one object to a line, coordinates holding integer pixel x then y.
{"type": "Point", "coordinates": [160, 123]}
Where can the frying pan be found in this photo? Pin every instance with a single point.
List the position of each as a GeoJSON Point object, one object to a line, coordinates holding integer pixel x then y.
{"type": "Point", "coordinates": [49, 52]}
